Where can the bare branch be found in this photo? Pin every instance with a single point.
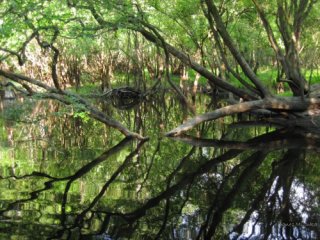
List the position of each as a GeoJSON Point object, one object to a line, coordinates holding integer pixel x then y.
{"type": "Point", "coordinates": [276, 104]}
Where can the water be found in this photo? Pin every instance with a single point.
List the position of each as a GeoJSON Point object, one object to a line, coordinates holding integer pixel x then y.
{"type": "Point", "coordinates": [63, 177]}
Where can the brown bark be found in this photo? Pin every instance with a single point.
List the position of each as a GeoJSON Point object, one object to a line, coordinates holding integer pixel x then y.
{"type": "Point", "coordinates": [54, 68]}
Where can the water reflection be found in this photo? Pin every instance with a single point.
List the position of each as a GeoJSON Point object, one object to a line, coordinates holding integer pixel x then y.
{"type": "Point", "coordinates": [68, 178]}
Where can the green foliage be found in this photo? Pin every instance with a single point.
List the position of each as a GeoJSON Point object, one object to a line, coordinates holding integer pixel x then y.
{"type": "Point", "coordinates": [85, 89]}
{"type": "Point", "coordinates": [182, 23]}
{"type": "Point", "coordinates": [84, 116]}
{"type": "Point", "coordinates": [45, 148]}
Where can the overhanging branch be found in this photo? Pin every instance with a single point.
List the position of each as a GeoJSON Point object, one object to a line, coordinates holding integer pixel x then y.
{"type": "Point", "coordinates": [69, 98]}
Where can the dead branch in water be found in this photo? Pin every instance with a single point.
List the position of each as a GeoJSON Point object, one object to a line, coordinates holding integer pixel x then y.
{"type": "Point", "coordinates": [289, 105]}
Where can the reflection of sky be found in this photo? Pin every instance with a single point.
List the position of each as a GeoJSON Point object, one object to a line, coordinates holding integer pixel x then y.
{"type": "Point", "coordinates": [186, 230]}
{"type": "Point", "coordinates": [299, 195]}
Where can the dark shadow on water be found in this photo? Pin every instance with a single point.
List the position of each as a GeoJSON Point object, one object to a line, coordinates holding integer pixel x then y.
{"type": "Point", "coordinates": [228, 183]}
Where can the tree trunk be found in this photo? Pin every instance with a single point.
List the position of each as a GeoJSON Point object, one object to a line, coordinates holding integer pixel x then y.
{"type": "Point", "coordinates": [309, 107]}
{"type": "Point", "coordinates": [290, 19]}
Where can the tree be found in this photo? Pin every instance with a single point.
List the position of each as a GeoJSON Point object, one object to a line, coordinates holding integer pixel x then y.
{"type": "Point", "coordinates": [41, 25]}
{"type": "Point", "coordinates": [290, 16]}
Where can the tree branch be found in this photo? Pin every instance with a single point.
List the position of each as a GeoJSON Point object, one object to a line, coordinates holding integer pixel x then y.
{"type": "Point", "coordinates": [275, 104]}
{"type": "Point", "coordinates": [66, 97]}
{"type": "Point", "coordinates": [213, 11]}
{"type": "Point", "coordinates": [199, 68]}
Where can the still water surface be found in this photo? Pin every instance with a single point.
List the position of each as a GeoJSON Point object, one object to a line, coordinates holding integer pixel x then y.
{"type": "Point", "coordinates": [69, 177]}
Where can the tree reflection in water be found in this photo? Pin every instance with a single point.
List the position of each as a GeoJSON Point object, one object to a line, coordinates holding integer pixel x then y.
{"type": "Point", "coordinates": [242, 185]}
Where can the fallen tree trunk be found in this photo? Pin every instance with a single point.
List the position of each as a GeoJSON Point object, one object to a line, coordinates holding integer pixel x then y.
{"type": "Point", "coordinates": [290, 106]}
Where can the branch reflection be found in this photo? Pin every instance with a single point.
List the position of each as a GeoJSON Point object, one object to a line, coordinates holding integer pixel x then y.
{"type": "Point", "coordinates": [262, 185]}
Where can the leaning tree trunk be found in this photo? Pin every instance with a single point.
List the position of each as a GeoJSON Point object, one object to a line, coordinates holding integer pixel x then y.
{"type": "Point", "coordinates": [289, 22]}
